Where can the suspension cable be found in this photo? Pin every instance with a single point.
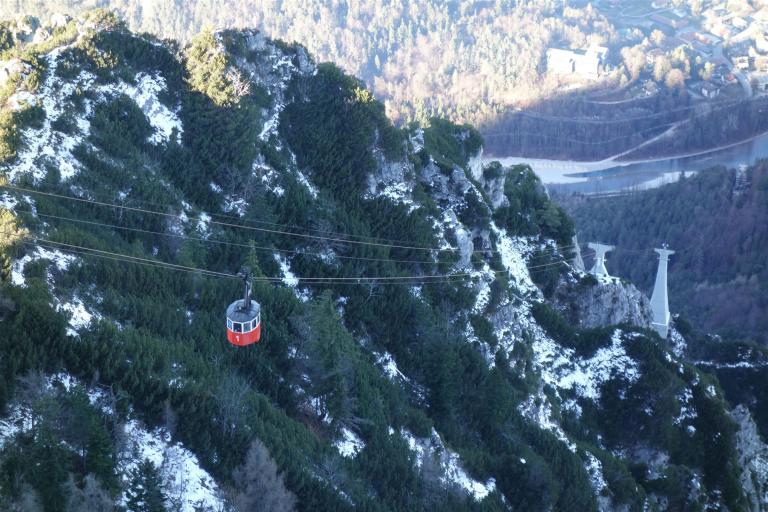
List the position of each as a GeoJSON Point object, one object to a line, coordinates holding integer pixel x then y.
{"type": "Point", "coordinates": [256, 247]}
{"type": "Point", "coordinates": [435, 278]}
{"type": "Point", "coordinates": [238, 226]}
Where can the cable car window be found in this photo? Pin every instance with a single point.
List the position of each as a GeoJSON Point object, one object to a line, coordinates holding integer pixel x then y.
{"type": "Point", "coordinates": [238, 327]}
{"type": "Point", "coordinates": [229, 324]}
{"type": "Point", "coordinates": [246, 326]}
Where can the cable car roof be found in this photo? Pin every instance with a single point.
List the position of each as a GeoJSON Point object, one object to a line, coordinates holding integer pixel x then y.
{"type": "Point", "coordinates": [236, 313]}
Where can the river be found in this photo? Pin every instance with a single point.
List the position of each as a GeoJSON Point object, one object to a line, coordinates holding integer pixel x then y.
{"type": "Point", "coordinates": [610, 176]}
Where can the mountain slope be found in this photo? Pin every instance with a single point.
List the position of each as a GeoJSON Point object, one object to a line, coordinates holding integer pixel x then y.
{"type": "Point", "coordinates": [413, 354]}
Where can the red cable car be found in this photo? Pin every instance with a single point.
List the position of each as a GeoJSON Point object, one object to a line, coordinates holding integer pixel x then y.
{"type": "Point", "coordinates": [244, 317]}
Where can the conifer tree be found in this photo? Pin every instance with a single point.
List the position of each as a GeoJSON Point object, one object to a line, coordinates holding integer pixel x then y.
{"type": "Point", "coordinates": [145, 491]}
{"type": "Point", "coordinates": [100, 450]}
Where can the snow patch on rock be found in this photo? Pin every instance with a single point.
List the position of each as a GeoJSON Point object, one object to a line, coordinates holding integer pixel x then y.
{"type": "Point", "coordinates": [79, 316]}
{"type": "Point", "coordinates": [285, 69]}
{"type": "Point", "coordinates": [292, 280]}
{"type": "Point", "coordinates": [687, 412]}
{"type": "Point", "coordinates": [237, 206]}
{"type": "Point", "coordinates": [451, 472]}
{"type": "Point", "coordinates": [678, 343]}
{"type": "Point", "coordinates": [350, 443]}
{"type": "Point", "coordinates": [482, 289]}
{"type": "Point", "coordinates": [188, 486]}
{"type": "Point", "coordinates": [417, 140]}
{"type": "Point", "coordinates": [562, 368]}
{"type": "Point", "coordinates": [289, 278]}
{"type": "Point", "coordinates": [388, 365]}
{"type": "Point", "coordinates": [586, 376]}
{"type": "Point", "coordinates": [161, 118]}
{"type": "Point", "coordinates": [45, 146]}
{"type": "Point", "coordinates": [595, 470]}
{"type": "Point", "coordinates": [538, 410]}
{"type": "Point", "coordinates": [60, 260]}
{"type": "Point", "coordinates": [512, 251]}
{"type": "Point", "coordinates": [302, 178]}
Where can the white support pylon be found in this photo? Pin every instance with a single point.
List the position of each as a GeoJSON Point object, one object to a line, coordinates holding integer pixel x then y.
{"type": "Point", "coordinates": [578, 262]}
{"type": "Point", "coordinates": [599, 269]}
{"type": "Point", "coordinates": [659, 299]}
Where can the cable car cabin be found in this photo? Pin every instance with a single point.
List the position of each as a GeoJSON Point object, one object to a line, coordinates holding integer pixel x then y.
{"type": "Point", "coordinates": [244, 318]}
{"type": "Point", "coordinates": [243, 324]}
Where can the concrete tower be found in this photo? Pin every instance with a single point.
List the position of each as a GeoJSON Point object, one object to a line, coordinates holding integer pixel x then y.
{"type": "Point", "coordinates": [578, 263]}
{"type": "Point", "coordinates": [659, 300]}
{"type": "Point", "coordinates": [599, 269]}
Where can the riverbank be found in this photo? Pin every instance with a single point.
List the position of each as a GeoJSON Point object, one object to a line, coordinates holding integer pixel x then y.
{"type": "Point", "coordinates": [572, 172]}
{"type": "Point", "coordinates": [691, 154]}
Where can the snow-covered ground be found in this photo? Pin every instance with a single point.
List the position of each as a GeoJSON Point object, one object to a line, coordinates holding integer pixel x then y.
{"type": "Point", "coordinates": [417, 140]}
{"type": "Point", "coordinates": [204, 224]}
{"type": "Point", "coordinates": [292, 280]}
{"type": "Point", "coordinates": [79, 316]}
{"type": "Point", "coordinates": [687, 412]}
{"type": "Point", "coordinates": [512, 252]}
{"type": "Point", "coordinates": [587, 375]}
{"type": "Point", "coordinates": [13, 423]}
{"type": "Point", "coordinates": [562, 368]}
{"type": "Point", "coordinates": [388, 365]}
{"type": "Point", "coordinates": [161, 118]}
{"type": "Point", "coordinates": [188, 487]}
{"type": "Point", "coordinates": [350, 443]}
{"type": "Point", "coordinates": [448, 461]}
{"type": "Point", "coordinates": [44, 145]}
{"type": "Point", "coordinates": [59, 259]}
{"type": "Point", "coordinates": [289, 278]}
{"type": "Point", "coordinates": [285, 68]}
{"type": "Point", "coordinates": [538, 410]}
{"type": "Point", "coordinates": [302, 178]}
{"type": "Point", "coordinates": [235, 205]}
{"type": "Point", "coordinates": [7, 201]}
{"type": "Point", "coordinates": [595, 470]}
{"type": "Point", "coordinates": [269, 177]}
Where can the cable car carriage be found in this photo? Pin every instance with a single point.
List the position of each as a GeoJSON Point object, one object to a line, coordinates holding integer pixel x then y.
{"type": "Point", "coordinates": [244, 317]}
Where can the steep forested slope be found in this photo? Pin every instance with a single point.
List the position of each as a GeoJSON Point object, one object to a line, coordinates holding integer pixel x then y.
{"type": "Point", "coordinates": [411, 358]}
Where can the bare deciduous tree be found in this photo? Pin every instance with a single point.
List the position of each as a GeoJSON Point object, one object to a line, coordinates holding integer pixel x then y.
{"type": "Point", "coordinates": [91, 498]}
{"type": "Point", "coordinates": [230, 397]}
{"type": "Point", "coordinates": [260, 487]}
{"type": "Point", "coordinates": [28, 501]}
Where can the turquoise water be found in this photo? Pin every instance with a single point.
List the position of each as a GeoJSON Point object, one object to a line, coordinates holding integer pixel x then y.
{"type": "Point", "coordinates": [647, 174]}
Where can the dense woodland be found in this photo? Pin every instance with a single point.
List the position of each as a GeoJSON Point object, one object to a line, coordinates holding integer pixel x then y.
{"type": "Point", "coordinates": [479, 62]}
{"type": "Point", "coordinates": [159, 354]}
{"type": "Point", "coordinates": [461, 60]}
